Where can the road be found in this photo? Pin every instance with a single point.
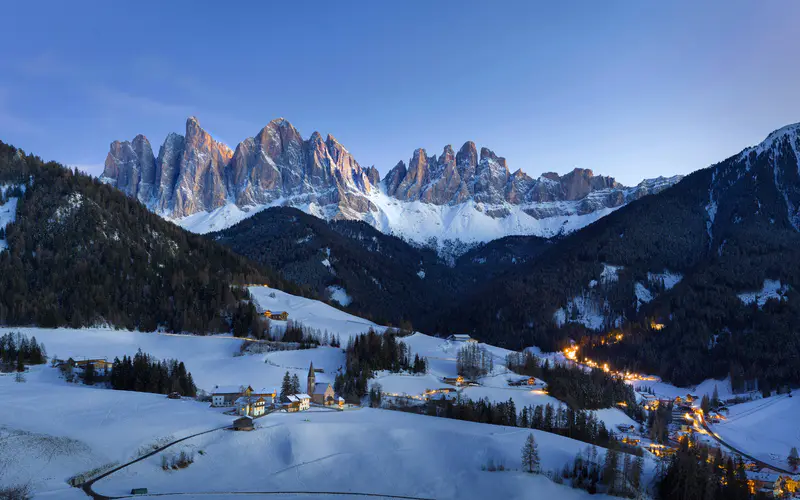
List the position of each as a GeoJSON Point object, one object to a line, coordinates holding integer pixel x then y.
{"type": "Point", "coordinates": [736, 450]}
{"type": "Point", "coordinates": [87, 486]}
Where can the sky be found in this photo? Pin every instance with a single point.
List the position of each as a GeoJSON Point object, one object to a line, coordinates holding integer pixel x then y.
{"type": "Point", "coordinates": [629, 89]}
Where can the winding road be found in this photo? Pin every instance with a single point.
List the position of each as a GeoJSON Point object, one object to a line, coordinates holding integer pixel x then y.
{"type": "Point", "coordinates": [738, 451]}
{"type": "Point", "coordinates": [87, 486]}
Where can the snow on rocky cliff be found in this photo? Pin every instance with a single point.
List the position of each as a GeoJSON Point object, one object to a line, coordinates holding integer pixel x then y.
{"type": "Point", "coordinates": [450, 202]}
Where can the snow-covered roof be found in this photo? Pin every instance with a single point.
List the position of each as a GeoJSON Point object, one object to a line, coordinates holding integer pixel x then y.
{"type": "Point", "coordinates": [321, 387]}
{"type": "Point", "coordinates": [227, 389]}
{"type": "Point", "coordinates": [266, 390]}
{"type": "Point", "coordinates": [459, 336]}
{"type": "Point", "coordinates": [303, 396]}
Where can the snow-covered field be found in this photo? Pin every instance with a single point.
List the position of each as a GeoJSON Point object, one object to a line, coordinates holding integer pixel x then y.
{"type": "Point", "coordinates": [366, 450]}
{"type": "Point", "coordinates": [765, 428]}
{"type": "Point", "coordinates": [312, 313]}
{"type": "Point", "coordinates": [51, 430]}
{"type": "Point", "coordinates": [65, 429]}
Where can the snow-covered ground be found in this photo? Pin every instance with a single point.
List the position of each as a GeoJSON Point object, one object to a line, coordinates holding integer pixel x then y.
{"type": "Point", "coordinates": [61, 429]}
{"type": "Point", "coordinates": [771, 289]}
{"type": "Point", "coordinates": [8, 213]}
{"type": "Point", "coordinates": [64, 429]}
{"type": "Point", "coordinates": [765, 428]}
{"type": "Point", "coordinates": [376, 451]}
{"type": "Point", "coordinates": [467, 223]}
{"type": "Point", "coordinates": [312, 313]}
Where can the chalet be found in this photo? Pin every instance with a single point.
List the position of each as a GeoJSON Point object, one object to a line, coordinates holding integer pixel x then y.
{"type": "Point", "coordinates": [630, 441]}
{"type": "Point", "coordinates": [243, 424]}
{"type": "Point", "coordinates": [276, 315]}
{"type": "Point", "coordinates": [174, 395]}
{"type": "Point", "coordinates": [223, 396]}
{"type": "Point", "coordinates": [250, 406]}
{"type": "Point", "coordinates": [321, 392]}
{"type": "Point", "coordinates": [100, 365]}
{"type": "Point", "coordinates": [297, 402]}
{"type": "Point", "coordinates": [522, 381]}
{"type": "Point", "coordinates": [457, 381]}
{"type": "Point", "coordinates": [460, 337]}
{"type": "Point", "coordinates": [626, 428]}
{"type": "Point", "coordinates": [340, 402]}
{"type": "Point", "coordinates": [270, 396]}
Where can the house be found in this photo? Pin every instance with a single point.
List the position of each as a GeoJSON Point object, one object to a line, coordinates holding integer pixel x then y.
{"type": "Point", "coordinates": [223, 396]}
{"type": "Point", "coordinates": [523, 381]}
{"type": "Point", "coordinates": [460, 337]}
{"type": "Point", "coordinates": [276, 315]}
{"type": "Point", "coordinates": [297, 402]}
{"type": "Point", "coordinates": [243, 424]}
{"type": "Point", "coordinates": [340, 402]}
{"type": "Point", "coordinates": [321, 392]}
{"type": "Point", "coordinates": [630, 441]}
{"type": "Point", "coordinates": [458, 381]}
{"type": "Point", "coordinates": [101, 366]}
{"type": "Point", "coordinates": [270, 396]}
{"type": "Point", "coordinates": [174, 395]}
{"type": "Point", "coordinates": [250, 406]}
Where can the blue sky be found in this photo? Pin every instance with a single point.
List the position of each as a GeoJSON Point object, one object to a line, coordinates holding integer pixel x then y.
{"type": "Point", "coordinates": [630, 89]}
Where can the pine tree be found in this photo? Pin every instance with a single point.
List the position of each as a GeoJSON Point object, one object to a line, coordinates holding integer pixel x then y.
{"type": "Point", "coordinates": [295, 387]}
{"type": "Point", "coordinates": [715, 397]}
{"type": "Point", "coordinates": [794, 458]}
{"type": "Point", "coordinates": [636, 474]}
{"type": "Point", "coordinates": [610, 471]}
{"type": "Point", "coordinates": [286, 385]}
{"type": "Point", "coordinates": [530, 455]}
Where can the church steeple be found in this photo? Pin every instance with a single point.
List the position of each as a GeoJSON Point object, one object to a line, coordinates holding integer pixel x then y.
{"type": "Point", "coordinates": [312, 378]}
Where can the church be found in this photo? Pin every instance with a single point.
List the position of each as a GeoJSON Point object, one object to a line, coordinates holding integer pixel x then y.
{"type": "Point", "coordinates": [321, 392]}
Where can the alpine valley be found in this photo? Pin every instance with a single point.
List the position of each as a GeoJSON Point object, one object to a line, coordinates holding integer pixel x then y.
{"type": "Point", "coordinates": [694, 277]}
{"type": "Point", "coordinates": [450, 202]}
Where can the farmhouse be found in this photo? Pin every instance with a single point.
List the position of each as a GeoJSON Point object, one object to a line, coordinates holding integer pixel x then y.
{"type": "Point", "coordinates": [269, 395]}
{"type": "Point", "coordinates": [457, 381]}
{"type": "Point", "coordinates": [297, 402]}
{"type": "Point", "coordinates": [250, 406]}
{"type": "Point", "coordinates": [99, 365]}
{"type": "Point", "coordinates": [226, 395]}
{"type": "Point", "coordinates": [522, 381]}
{"type": "Point", "coordinates": [276, 315]}
{"type": "Point", "coordinates": [460, 337]}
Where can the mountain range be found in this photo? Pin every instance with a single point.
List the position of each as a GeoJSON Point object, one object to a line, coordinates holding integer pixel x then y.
{"type": "Point", "coordinates": [450, 201]}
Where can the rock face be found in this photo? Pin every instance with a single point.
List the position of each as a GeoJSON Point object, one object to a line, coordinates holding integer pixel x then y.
{"type": "Point", "coordinates": [194, 173]}
{"type": "Point", "coordinates": [452, 179]}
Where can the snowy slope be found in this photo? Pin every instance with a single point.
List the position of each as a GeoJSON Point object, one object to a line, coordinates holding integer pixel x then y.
{"type": "Point", "coordinates": [469, 223]}
{"type": "Point", "coordinates": [311, 313]}
{"type": "Point", "coordinates": [765, 428]}
{"type": "Point", "coordinates": [351, 451]}
{"type": "Point", "coordinates": [8, 213]}
{"type": "Point", "coordinates": [375, 451]}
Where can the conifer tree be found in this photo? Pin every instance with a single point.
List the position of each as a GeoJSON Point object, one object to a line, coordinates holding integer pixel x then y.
{"type": "Point", "coordinates": [530, 455]}
{"type": "Point", "coordinates": [286, 385]}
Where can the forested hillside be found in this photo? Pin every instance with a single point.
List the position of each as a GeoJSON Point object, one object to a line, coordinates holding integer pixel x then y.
{"type": "Point", "coordinates": [701, 280]}
{"type": "Point", "coordinates": [387, 279]}
{"type": "Point", "coordinates": [81, 253]}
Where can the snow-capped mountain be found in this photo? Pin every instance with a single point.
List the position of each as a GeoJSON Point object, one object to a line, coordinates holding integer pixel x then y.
{"type": "Point", "coordinates": [446, 201]}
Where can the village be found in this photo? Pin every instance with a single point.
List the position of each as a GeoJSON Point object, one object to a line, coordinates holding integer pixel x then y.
{"type": "Point", "coordinates": [266, 387]}
{"type": "Point", "coordinates": [689, 420]}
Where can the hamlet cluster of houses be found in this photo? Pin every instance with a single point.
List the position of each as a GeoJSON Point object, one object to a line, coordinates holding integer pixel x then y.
{"type": "Point", "coordinates": [249, 402]}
